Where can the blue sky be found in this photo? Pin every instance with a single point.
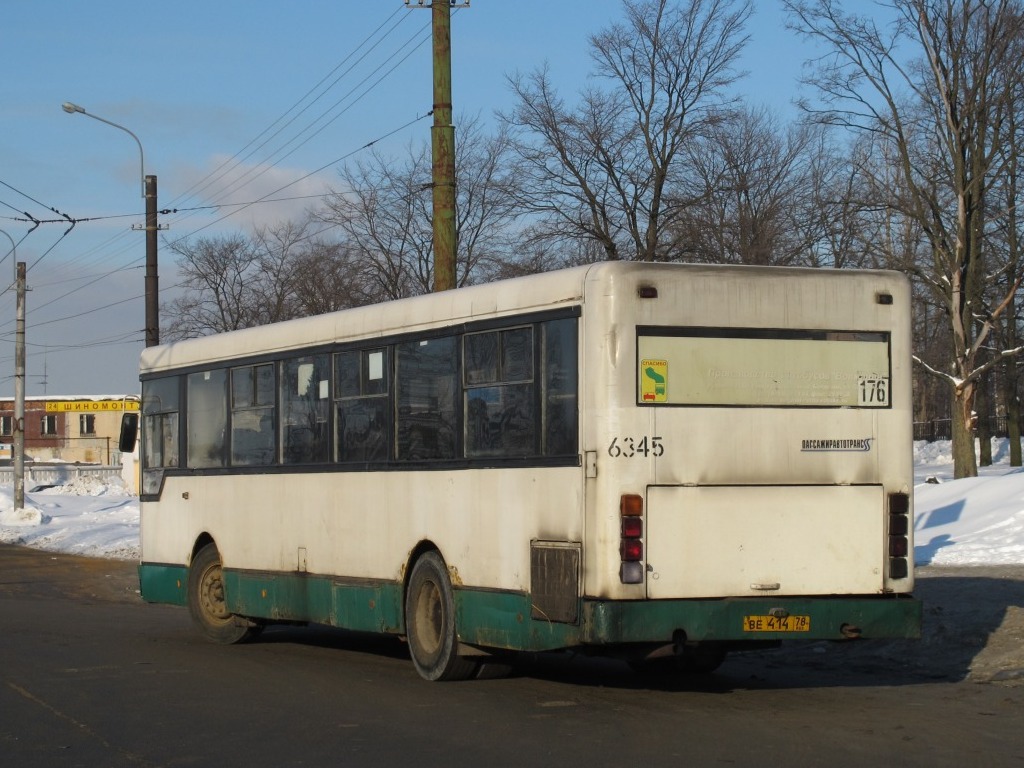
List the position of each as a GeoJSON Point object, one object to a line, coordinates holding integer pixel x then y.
{"type": "Point", "coordinates": [197, 82]}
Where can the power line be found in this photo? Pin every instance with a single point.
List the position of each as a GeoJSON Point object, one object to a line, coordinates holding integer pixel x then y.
{"type": "Point", "coordinates": [306, 176]}
{"type": "Point", "coordinates": [29, 197]}
{"type": "Point", "coordinates": [223, 168]}
{"type": "Point", "coordinates": [277, 157]}
{"type": "Point", "coordinates": [264, 199]}
{"type": "Point", "coordinates": [268, 198]}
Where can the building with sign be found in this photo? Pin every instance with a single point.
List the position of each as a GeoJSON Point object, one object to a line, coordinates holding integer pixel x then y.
{"type": "Point", "coordinates": [72, 429]}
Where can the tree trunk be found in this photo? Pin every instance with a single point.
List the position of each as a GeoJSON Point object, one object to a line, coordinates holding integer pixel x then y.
{"type": "Point", "coordinates": [1012, 412]}
{"type": "Point", "coordinates": [983, 406]}
{"type": "Point", "coordinates": [965, 462]}
{"type": "Point", "coordinates": [1012, 400]}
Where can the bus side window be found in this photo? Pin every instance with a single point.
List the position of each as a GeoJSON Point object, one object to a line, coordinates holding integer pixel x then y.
{"type": "Point", "coordinates": [207, 418]}
{"type": "Point", "coordinates": [560, 380]}
{"type": "Point", "coordinates": [361, 405]}
{"type": "Point", "coordinates": [160, 398]}
{"type": "Point", "coordinates": [305, 390]}
{"type": "Point", "coordinates": [426, 384]}
{"type": "Point", "coordinates": [499, 393]}
{"type": "Point", "coordinates": [253, 426]}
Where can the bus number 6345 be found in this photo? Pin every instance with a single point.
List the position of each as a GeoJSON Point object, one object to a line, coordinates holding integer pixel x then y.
{"type": "Point", "coordinates": [628, 447]}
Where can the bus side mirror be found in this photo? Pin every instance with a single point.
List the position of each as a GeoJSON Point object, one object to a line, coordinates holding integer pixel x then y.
{"type": "Point", "coordinates": [129, 432]}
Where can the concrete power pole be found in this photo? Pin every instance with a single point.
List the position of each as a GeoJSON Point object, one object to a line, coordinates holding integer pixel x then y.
{"type": "Point", "coordinates": [152, 279]}
{"type": "Point", "coordinates": [19, 390]}
{"type": "Point", "coordinates": [442, 143]}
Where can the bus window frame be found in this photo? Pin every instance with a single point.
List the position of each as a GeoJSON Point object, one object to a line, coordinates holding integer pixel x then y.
{"type": "Point", "coordinates": [391, 464]}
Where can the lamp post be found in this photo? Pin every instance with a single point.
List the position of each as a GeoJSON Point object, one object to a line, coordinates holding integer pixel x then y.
{"type": "Point", "coordinates": [149, 193]}
{"type": "Point", "coordinates": [18, 427]}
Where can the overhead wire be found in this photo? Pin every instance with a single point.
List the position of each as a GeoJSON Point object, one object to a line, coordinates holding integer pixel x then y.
{"type": "Point", "coordinates": [325, 117]}
{"type": "Point", "coordinates": [283, 122]}
{"type": "Point", "coordinates": [229, 164]}
{"type": "Point", "coordinates": [71, 292]}
{"type": "Point", "coordinates": [29, 197]}
{"type": "Point", "coordinates": [306, 176]}
{"type": "Point", "coordinates": [265, 164]}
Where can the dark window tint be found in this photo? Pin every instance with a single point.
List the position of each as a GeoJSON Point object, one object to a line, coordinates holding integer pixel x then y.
{"type": "Point", "coordinates": [361, 380]}
{"type": "Point", "coordinates": [426, 387]}
{"type": "Point", "coordinates": [500, 398]}
{"type": "Point", "coordinates": [559, 388]}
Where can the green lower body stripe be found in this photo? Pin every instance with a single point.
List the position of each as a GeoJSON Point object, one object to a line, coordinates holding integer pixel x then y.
{"type": "Point", "coordinates": [496, 619]}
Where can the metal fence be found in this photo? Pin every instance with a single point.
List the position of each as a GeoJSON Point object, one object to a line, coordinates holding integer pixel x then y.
{"type": "Point", "coordinates": [59, 474]}
{"type": "Point", "coordinates": [942, 429]}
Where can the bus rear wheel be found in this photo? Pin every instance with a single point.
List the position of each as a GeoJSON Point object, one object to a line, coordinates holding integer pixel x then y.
{"type": "Point", "coordinates": [206, 601]}
{"type": "Point", "coordinates": [430, 622]}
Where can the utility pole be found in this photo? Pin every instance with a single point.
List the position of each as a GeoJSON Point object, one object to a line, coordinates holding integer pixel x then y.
{"type": "Point", "coordinates": [152, 290]}
{"type": "Point", "coordinates": [442, 143]}
{"type": "Point", "coordinates": [18, 427]}
{"type": "Point", "coordinates": [152, 278]}
{"type": "Point", "coordinates": [19, 390]}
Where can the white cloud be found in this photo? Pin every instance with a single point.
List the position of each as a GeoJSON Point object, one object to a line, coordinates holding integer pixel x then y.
{"type": "Point", "coordinates": [248, 195]}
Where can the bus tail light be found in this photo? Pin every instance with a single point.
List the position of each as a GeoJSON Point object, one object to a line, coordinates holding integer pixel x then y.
{"type": "Point", "coordinates": [632, 550]}
{"type": "Point", "coordinates": [631, 545]}
{"type": "Point", "coordinates": [899, 535]}
{"type": "Point", "coordinates": [632, 527]}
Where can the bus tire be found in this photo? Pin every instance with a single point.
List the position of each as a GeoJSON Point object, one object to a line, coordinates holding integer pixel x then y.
{"type": "Point", "coordinates": [430, 622]}
{"type": "Point", "coordinates": [206, 601]}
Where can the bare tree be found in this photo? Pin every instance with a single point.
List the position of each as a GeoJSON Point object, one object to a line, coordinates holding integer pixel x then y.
{"type": "Point", "coordinates": [275, 249]}
{"type": "Point", "coordinates": [327, 277]}
{"type": "Point", "coordinates": [601, 171]}
{"type": "Point", "coordinates": [218, 274]}
{"type": "Point", "coordinates": [1009, 233]}
{"type": "Point", "coordinates": [280, 272]}
{"type": "Point", "coordinates": [939, 119]}
{"type": "Point", "coordinates": [384, 211]}
{"type": "Point", "coordinates": [486, 187]}
{"type": "Point", "coordinates": [767, 195]}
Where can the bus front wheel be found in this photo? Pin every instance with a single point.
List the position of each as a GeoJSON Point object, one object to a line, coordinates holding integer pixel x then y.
{"type": "Point", "coordinates": [430, 622]}
{"type": "Point", "coordinates": [206, 601]}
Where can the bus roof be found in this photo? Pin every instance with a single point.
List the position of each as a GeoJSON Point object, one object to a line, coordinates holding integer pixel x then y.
{"type": "Point", "coordinates": [547, 290]}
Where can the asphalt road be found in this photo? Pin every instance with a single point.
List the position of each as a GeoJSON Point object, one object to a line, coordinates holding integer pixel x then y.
{"type": "Point", "coordinates": [91, 676]}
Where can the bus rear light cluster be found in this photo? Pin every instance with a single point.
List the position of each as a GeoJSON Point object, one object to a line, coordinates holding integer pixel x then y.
{"type": "Point", "coordinates": [899, 535]}
{"type": "Point", "coordinates": [631, 545]}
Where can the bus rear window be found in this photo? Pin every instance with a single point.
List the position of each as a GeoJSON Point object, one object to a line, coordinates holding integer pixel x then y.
{"type": "Point", "coordinates": [763, 368]}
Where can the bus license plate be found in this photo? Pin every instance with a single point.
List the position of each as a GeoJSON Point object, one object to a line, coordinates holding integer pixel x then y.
{"type": "Point", "coordinates": [776, 623]}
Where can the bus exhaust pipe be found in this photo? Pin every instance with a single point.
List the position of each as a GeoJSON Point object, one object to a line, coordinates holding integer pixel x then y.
{"type": "Point", "coordinates": [850, 632]}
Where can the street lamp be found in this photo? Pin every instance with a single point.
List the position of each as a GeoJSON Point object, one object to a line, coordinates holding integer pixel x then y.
{"type": "Point", "coordinates": [149, 193]}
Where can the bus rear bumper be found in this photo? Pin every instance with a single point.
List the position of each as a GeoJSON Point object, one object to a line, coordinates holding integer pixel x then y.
{"type": "Point", "coordinates": [755, 619]}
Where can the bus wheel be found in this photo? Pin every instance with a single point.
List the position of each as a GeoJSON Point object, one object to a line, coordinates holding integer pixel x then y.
{"type": "Point", "coordinates": [206, 601]}
{"type": "Point", "coordinates": [430, 622]}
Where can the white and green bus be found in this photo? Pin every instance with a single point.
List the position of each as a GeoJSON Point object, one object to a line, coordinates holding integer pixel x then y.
{"type": "Point", "coordinates": [658, 461]}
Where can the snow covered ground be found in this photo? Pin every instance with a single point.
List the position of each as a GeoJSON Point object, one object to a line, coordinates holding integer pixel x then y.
{"type": "Point", "coordinates": [977, 521]}
{"type": "Point", "coordinates": [974, 521]}
{"type": "Point", "coordinates": [84, 517]}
